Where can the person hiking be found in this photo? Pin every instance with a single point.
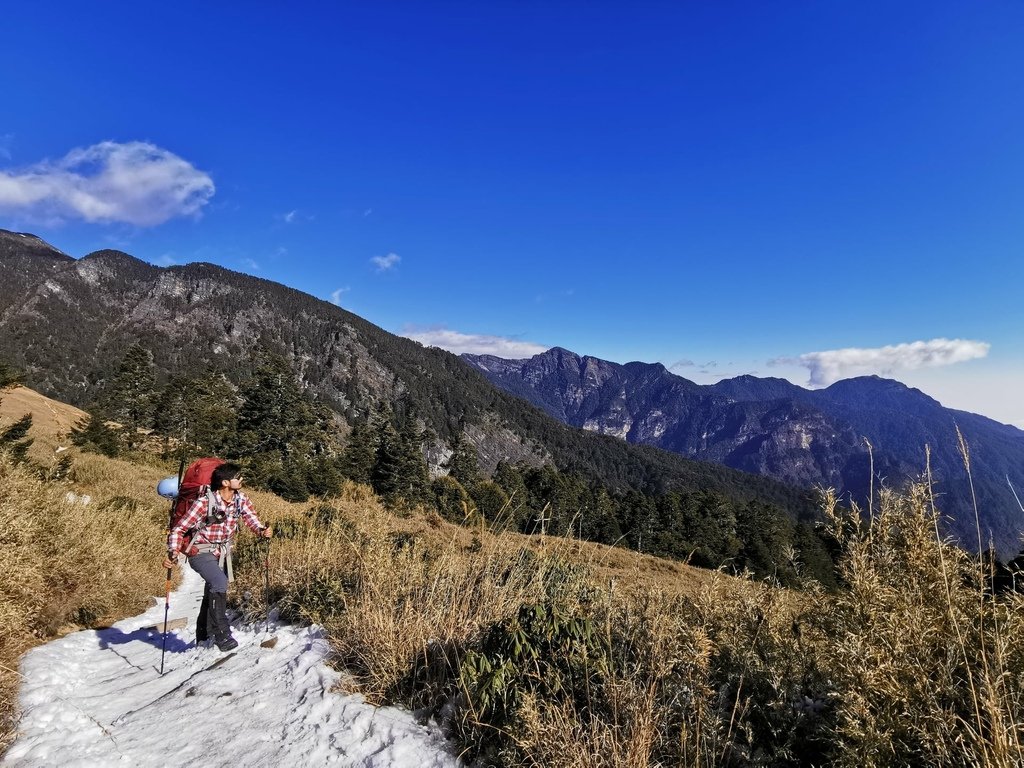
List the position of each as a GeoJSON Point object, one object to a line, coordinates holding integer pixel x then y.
{"type": "Point", "coordinates": [210, 551]}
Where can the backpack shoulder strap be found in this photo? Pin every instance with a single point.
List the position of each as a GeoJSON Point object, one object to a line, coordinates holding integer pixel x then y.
{"type": "Point", "coordinates": [211, 505]}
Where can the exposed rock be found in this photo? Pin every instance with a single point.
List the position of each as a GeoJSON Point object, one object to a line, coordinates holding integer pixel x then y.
{"type": "Point", "coordinates": [775, 428]}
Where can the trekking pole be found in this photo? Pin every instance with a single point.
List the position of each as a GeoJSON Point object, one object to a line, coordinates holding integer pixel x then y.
{"type": "Point", "coordinates": [170, 574]}
{"type": "Point", "coordinates": [266, 584]}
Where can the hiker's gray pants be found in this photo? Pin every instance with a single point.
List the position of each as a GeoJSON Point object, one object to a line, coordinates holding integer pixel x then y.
{"type": "Point", "coordinates": [207, 566]}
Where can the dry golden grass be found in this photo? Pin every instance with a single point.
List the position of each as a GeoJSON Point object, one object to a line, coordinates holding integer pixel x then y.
{"type": "Point", "coordinates": [51, 420]}
{"type": "Point", "coordinates": [639, 661]}
{"type": "Point", "coordinates": [394, 590]}
{"type": "Point", "coordinates": [929, 663]}
{"type": "Point", "coordinates": [911, 663]}
{"type": "Point", "coordinates": [66, 564]}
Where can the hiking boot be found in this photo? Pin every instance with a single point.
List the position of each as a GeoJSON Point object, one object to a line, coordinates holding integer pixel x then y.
{"type": "Point", "coordinates": [227, 644]}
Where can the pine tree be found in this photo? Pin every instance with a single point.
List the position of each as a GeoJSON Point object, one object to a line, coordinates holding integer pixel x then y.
{"type": "Point", "coordinates": [451, 499]}
{"type": "Point", "coordinates": [323, 478]}
{"type": "Point", "coordinates": [415, 478]}
{"type": "Point", "coordinates": [600, 521]}
{"type": "Point", "coordinates": [289, 481]}
{"type": "Point", "coordinates": [9, 377]}
{"type": "Point", "coordinates": [129, 399]}
{"type": "Point", "coordinates": [511, 481]}
{"type": "Point", "coordinates": [202, 411]}
{"type": "Point", "coordinates": [490, 500]}
{"type": "Point", "coordinates": [463, 463]}
{"type": "Point", "coordinates": [358, 459]}
{"type": "Point", "coordinates": [15, 438]}
{"type": "Point", "coordinates": [92, 433]}
{"type": "Point", "coordinates": [275, 417]}
{"type": "Point", "coordinates": [386, 476]}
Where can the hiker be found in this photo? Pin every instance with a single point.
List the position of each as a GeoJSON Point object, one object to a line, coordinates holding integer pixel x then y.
{"type": "Point", "coordinates": [210, 551]}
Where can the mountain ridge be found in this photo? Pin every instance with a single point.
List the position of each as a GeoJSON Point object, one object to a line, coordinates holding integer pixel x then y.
{"type": "Point", "coordinates": [66, 322]}
{"type": "Point", "coordinates": [67, 326]}
{"type": "Point", "coordinates": [828, 437]}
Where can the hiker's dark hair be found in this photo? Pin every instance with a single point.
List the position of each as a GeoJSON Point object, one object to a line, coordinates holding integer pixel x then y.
{"type": "Point", "coordinates": [222, 473]}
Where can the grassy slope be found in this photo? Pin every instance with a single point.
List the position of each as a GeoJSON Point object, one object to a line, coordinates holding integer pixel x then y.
{"type": "Point", "coordinates": [54, 584]}
{"type": "Point", "coordinates": [911, 664]}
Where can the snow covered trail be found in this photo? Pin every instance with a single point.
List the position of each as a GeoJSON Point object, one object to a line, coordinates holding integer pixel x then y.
{"type": "Point", "coordinates": [95, 698]}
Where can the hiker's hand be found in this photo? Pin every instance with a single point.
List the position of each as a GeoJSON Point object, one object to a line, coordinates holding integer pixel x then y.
{"type": "Point", "coordinates": [170, 562]}
{"type": "Point", "coordinates": [267, 532]}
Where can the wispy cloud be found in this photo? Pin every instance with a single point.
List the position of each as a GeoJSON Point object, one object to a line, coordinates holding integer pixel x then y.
{"type": "Point", "coordinates": [6, 140]}
{"type": "Point", "coordinates": [367, 212]}
{"type": "Point", "coordinates": [473, 343]}
{"type": "Point", "coordinates": [336, 295]}
{"type": "Point", "coordinates": [293, 216]}
{"type": "Point", "coordinates": [165, 260]}
{"type": "Point", "coordinates": [251, 265]}
{"type": "Point", "coordinates": [133, 183]}
{"type": "Point", "coordinates": [830, 366]}
{"type": "Point", "coordinates": [386, 263]}
{"type": "Point", "coordinates": [680, 365]}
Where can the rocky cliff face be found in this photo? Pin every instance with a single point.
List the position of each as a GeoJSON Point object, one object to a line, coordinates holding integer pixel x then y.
{"type": "Point", "coordinates": [644, 403]}
{"type": "Point", "coordinates": [777, 429]}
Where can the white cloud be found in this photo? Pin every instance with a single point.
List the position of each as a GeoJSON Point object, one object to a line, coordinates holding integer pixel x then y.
{"type": "Point", "coordinates": [679, 365]}
{"type": "Point", "coordinates": [830, 366]}
{"type": "Point", "coordinates": [251, 265]}
{"type": "Point", "coordinates": [134, 183]}
{"type": "Point", "coordinates": [293, 216]}
{"type": "Point", "coordinates": [474, 343]}
{"type": "Point", "coordinates": [336, 295]}
{"type": "Point", "coordinates": [386, 263]}
{"type": "Point", "coordinates": [6, 140]}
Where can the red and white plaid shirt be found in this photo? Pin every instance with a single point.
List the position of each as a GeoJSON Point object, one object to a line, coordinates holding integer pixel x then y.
{"type": "Point", "coordinates": [215, 533]}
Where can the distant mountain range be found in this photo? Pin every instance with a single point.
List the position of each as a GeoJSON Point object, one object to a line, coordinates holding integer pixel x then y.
{"type": "Point", "coordinates": [67, 322]}
{"type": "Point", "coordinates": [777, 429]}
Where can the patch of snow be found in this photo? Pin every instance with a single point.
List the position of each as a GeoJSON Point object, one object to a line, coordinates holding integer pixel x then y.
{"type": "Point", "coordinates": [96, 698]}
{"type": "Point", "coordinates": [74, 498]}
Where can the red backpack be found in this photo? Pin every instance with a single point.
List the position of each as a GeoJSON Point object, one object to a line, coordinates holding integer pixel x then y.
{"type": "Point", "coordinates": [194, 483]}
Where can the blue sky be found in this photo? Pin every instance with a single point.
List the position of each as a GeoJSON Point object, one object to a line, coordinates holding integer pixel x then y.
{"type": "Point", "coordinates": [807, 190]}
